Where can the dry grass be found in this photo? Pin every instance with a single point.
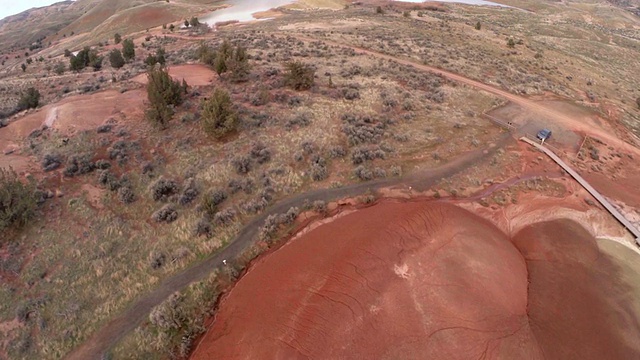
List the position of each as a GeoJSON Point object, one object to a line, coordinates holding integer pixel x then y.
{"type": "Point", "coordinates": [91, 261]}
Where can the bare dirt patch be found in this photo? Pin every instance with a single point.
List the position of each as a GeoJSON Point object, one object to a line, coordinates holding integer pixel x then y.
{"type": "Point", "coordinates": [194, 74]}
{"type": "Point", "coordinates": [76, 113]}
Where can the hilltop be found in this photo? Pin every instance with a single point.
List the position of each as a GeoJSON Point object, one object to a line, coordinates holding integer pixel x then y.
{"type": "Point", "coordinates": [94, 18]}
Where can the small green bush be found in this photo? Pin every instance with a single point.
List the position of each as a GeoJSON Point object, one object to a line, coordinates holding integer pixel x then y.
{"type": "Point", "coordinates": [17, 200]}
{"type": "Point", "coordinates": [116, 59]}
{"type": "Point", "coordinates": [128, 50]}
{"type": "Point", "coordinates": [29, 99]}
{"type": "Point", "coordinates": [299, 76]}
{"type": "Point", "coordinates": [85, 57]}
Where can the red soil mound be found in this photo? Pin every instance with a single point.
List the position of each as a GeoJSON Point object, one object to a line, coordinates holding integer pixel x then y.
{"type": "Point", "coordinates": [397, 280]}
{"type": "Point", "coordinates": [429, 281]}
{"type": "Point", "coordinates": [578, 306]}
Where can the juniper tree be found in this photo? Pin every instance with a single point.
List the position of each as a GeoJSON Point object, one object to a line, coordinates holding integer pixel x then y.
{"type": "Point", "coordinates": [163, 94]}
{"type": "Point", "coordinates": [218, 116]}
{"type": "Point", "coordinates": [128, 50]}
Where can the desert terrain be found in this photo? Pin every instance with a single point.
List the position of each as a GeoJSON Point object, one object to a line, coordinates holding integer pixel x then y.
{"type": "Point", "coordinates": [323, 179]}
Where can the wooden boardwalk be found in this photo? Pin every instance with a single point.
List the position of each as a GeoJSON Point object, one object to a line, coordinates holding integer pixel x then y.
{"type": "Point", "coordinates": [607, 205]}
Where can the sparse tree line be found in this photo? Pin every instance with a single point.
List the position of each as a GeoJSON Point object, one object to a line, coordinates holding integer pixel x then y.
{"type": "Point", "coordinates": [219, 115]}
{"type": "Point", "coordinates": [88, 57]}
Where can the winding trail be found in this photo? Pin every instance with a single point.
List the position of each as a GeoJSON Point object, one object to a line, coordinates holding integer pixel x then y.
{"type": "Point", "coordinates": [114, 330]}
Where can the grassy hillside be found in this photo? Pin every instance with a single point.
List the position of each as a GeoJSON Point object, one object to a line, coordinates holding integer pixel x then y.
{"type": "Point", "coordinates": [25, 28]}
{"type": "Point", "coordinates": [102, 17]}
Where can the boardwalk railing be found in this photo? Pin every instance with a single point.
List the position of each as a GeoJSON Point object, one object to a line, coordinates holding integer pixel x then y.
{"type": "Point", "coordinates": [504, 124]}
{"type": "Point", "coordinates": [537, 141]}
{"type": "Point", "coordinates": [607, 205]}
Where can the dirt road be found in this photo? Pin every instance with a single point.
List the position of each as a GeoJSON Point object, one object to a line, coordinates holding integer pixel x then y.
{"type": "Point", "coordinates": [106, 337]}
{"type": "Point", "coordinates": [549, 113]}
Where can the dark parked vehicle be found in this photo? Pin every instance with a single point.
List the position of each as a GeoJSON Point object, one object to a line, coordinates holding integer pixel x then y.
{"type": "Point", "coordinates": [544, 134]}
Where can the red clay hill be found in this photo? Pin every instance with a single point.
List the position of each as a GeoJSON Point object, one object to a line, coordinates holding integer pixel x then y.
{"type": "Point", "coordinates": [427, 280]}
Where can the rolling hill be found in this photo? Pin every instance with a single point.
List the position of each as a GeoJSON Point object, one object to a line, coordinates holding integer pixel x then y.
{"type": "Point", "coordinates": [95, 17]}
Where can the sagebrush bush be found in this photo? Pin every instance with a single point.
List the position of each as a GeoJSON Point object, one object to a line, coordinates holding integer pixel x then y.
{"type": "Point", "coordinates": [270, 227]}
{"type": "Point", "coordinates": [362, 154]}
{"type": "Point", "coordinates": [260, 153]}
{"type": "Point", "coordinates": [247, 185]}
{"type": "Point", "coordinates": [126, 195]}
{"type": "Point", "coordinates": [104, 128]}
{"type": "Point", "coordinates": [379, 172]}
{"type": "Point", "coordinates": [350, 93]}
{"type": "Point", "coordinates": [163, 188]}
{"type": "Point", "coordinates": [203, 227]}
{"type": "Point", "coordinates": [18, 200]}
{"type": "Point", "coordinates": [157, 259]}
{"type": "Point", "coordinates": [337, 152]}
{"type": "Point", "coordinates": [290, 216]}
{"type": "Point", "coordinates": [51, 162]}
{"type": "Point", "coordinates": [107, 179]}
{"type": "Point", "coordinates": [319, 169]}
{"type": "Point", "coordinates": [300, 119]}
{"type": "Point", "coordinates": [224, 217]}
{"type": "Point", "coordinates": [362, 129]}
{"type": "Point", "coordinates": [255, 206]}
{"type": "Point", "coordinates": [242, 164]}
{"type": "Point", "coordinates": [363, 173]}
{"type": "Point", "coordinates": [212, 200]}
{"type": "Point", "coordinates": [189, 193]}
{"type": "Point", "coordinates": [320, 207]}
{"type": "Point", "coordinates": [309, 147]}
{"type": "Point", "coordinates": [170, 314]}
{"type": "Point", "coordinates": [79, 165]}
{"type": "Point", "coordinates": [166, 214]}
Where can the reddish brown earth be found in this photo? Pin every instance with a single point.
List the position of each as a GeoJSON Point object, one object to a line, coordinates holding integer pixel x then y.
{"type": "Point", "coordinates": [427, 280]}
{"type": "Point", "coordinates": [194, 74]}
{"type": "Point", "coordinates": [66, 117]}
{"type": "Point", "coordinates": [623, 188]}
{"type": "Point", "coordinates": [578, 306]}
